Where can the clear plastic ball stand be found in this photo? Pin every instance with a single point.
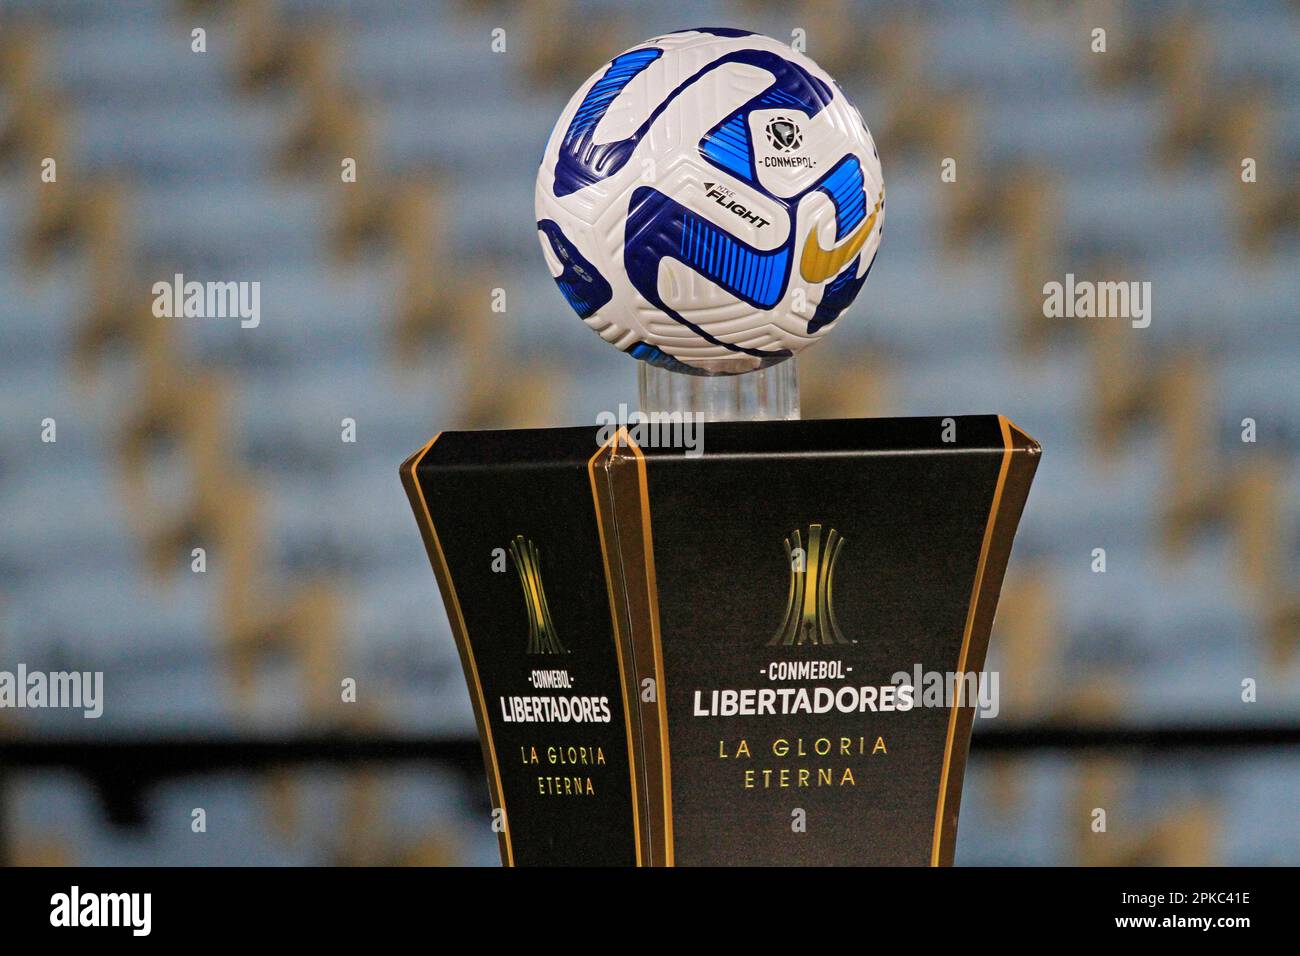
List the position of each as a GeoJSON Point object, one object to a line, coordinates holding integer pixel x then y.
{"type": "Point", "coordinates": [765, 394]}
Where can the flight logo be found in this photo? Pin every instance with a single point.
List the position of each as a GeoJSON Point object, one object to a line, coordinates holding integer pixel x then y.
{"type": "Point", "coordinates": [726, 198]}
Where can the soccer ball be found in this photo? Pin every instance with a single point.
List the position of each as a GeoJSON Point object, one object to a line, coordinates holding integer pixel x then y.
{"type": "Point", "coordinates": [710, 201]}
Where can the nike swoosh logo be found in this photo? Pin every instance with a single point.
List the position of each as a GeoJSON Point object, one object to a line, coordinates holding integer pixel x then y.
{"type": "Point", "coordinates": [818, 264]}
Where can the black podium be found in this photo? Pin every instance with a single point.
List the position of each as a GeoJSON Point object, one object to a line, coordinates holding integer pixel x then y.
{"type": "Point", "coordinates": [709, 659]}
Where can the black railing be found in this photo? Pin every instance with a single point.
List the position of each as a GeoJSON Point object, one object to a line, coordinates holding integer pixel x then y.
{"type": "Point", "coordinates": [122, 770]}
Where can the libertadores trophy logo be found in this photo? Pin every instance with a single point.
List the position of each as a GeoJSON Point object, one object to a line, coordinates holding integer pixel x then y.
{"type": "Point", "coordinates": [542, 637]}
{"type": "Point", "coordinates": [809, 612]}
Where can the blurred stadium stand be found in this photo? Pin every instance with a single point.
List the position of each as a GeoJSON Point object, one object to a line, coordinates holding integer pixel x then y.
{"type": "Point", "coordinates": [377, 306]}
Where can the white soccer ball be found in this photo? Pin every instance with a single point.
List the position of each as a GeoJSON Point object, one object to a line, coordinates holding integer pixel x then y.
{"type": "Point", "coordinates": [710, 201]}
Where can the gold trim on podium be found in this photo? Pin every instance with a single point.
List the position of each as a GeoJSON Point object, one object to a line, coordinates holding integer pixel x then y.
{"type": "Point", "coordinates": [995, 552]}
{"type": "Point", "coordinates": [414, 491]}
{"type": "Point", "coordinates": [622, 502]}
{"type": "Point", "coordinates": [622, 638]}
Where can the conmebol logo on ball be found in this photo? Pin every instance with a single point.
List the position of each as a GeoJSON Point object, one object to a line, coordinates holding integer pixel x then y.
{"type": "Point", "coordinates": [639, 191]}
